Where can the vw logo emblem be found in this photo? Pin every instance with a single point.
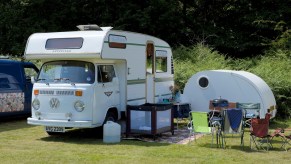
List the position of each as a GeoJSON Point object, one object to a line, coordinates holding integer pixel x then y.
{"type": "Point", "coordinates": [54, 103]}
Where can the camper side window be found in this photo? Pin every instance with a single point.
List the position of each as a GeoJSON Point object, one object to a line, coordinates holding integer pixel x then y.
{"type": "Point", "coordinates": [161, 61]}
{"type": "Point", "coordinates": [105, 73]}
{"type": "Point", "coordinates": [161, 64]}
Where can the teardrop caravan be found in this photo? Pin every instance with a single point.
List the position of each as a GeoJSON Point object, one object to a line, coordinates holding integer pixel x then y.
{"type": "Point", "coordinates": [240, 87]}
{"type": "Point", "coordinates": [90, 76]}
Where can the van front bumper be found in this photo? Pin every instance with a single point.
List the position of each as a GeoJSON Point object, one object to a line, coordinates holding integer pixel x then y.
{"type": "Point", "coordinates": [62, 123]}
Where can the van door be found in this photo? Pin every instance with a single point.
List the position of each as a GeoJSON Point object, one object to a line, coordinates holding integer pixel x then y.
{"type": "Point", "coordinates": [150, 73]}
{"type": "Point", "coordinates": [107, 88]}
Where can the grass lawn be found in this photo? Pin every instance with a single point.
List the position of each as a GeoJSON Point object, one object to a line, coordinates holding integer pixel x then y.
{"type": "Point", "coordinates": [23, 143]}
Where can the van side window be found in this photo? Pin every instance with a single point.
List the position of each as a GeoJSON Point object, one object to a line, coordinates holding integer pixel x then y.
{"type": "Point", "coordinates": [105, 73]}
{"type": "Point", "coordinates": [4, 82]}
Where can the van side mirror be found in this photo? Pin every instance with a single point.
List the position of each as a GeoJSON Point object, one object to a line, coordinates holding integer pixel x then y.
{"type": "Point", "coordinates": [32, 79]}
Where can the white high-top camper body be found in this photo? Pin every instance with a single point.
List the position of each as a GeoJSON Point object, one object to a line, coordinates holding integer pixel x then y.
{"type": "Point", "coordinates": [89, 77]}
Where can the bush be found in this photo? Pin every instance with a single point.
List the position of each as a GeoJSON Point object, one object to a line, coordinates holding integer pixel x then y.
{"type": "Point", "coordinates": [275, 68]}
{"type": "Point", "coordinates": [190, 60]}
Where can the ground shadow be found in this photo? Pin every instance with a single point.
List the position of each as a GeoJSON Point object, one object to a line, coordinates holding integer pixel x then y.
{"type": "Point", "coordinates": [276, 144]}
{"type": "Point", "coordinates": [94, 136]}
{"type": "Point", "coordinates": [13, 123]}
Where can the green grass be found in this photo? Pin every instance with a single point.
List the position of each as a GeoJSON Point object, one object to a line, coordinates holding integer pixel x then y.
{"type": "Point", "coordinates": [22, 143]}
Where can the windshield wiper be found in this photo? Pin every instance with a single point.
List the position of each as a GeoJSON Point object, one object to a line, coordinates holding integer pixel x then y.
{"type": "Point", "coordinates": [62, 79]}
{"type": "Point", "coordinates": [65, 80]}
{"type": "Point", "coordinates": [40, 79]}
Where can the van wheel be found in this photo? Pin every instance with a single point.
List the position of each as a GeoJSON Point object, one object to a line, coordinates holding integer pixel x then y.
{"type": "Point", "coordinates": [110, 116]}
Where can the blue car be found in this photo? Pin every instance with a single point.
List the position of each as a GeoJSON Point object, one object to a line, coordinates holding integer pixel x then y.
{"type": "Point", "coordinates": [16, 87]}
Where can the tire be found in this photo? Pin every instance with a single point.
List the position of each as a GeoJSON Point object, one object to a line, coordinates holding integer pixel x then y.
{"type": "Point", "coordinates": [110, 116]}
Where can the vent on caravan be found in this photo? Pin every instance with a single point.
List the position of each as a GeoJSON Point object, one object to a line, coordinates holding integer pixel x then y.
{"type": "Point", "coordinates": [93, 27]}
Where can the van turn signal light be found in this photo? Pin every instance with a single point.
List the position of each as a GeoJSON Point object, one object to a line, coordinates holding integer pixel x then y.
{"type": "Point", "coordinates": [36, 92]}
{"type": "Point", "coordinates": [78, 93]}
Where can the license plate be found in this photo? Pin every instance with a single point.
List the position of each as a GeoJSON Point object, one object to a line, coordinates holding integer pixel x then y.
{"type": "Point", "coordinates": [54, 129]}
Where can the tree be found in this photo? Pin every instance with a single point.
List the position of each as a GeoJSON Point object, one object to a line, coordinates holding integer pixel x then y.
{"type": "Point", "coordinates": [237, 28]}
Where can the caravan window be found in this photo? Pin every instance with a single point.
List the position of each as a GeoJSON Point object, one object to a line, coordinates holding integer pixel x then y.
{"type": "Point", "coordinates": [150, 56]}
{"type": "Point", "coordinates": [105, 73]}
{"type": "Point", "coordinates": [64, 43]}
{"type": "Point", "coordinates": [161, 61]}
{"type": "Point", "coordinates": [67, 72]}
{"type": "Point", "coordinates": [203, 82]}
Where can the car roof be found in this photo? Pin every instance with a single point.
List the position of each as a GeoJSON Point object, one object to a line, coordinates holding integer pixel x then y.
{"type": "Point", "coordinates": [9, 61]}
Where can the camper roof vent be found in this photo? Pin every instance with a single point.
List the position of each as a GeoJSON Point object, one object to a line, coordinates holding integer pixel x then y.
{"type": "Point", "coordinates": [89, 27]}
{"type": "Point", "coordinates": [93, 27]}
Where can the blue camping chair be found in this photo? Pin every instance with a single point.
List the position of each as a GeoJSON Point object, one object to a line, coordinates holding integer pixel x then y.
{"type": "Point", "coordinates": [233, 123]}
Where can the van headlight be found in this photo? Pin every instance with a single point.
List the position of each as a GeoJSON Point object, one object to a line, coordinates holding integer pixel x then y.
{"type": "Point", "coordinates": [35, 104]}
{"type": "Point", "coordinates": [79, 106]}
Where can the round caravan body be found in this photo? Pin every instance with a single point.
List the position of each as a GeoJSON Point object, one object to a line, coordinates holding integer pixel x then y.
{"type": "Point", "coordinates": [241, 88]}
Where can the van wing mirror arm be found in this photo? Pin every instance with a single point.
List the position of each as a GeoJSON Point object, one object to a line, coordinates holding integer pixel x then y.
{"type": "Point", "coordinates": [32, 79]}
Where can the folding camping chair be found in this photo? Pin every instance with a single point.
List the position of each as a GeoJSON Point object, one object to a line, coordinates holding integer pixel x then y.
{"type": "Point", "coordinates": [259, 133]}
{"type": "Point", "coordinates": [286, 139]}
{"type": "Point", "coordinates": [251, 110]}
{"type": "Point", "coordinates": [233, 123]}
{"type": "Point", "coordinates": [216, 122]}
{"type": "Point", "coordinates": [198, 124]}
{"type": "Point", "coordinates": [217, 106]}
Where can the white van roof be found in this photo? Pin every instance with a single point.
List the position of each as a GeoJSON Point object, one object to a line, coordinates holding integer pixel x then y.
{"type": "Point", "coordinates": [37, 44]}
{"type": "Point", "coordinates": [92, 42]}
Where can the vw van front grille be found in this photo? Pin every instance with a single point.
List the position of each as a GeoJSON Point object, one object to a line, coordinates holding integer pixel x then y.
{"type": "Point", "coordinates": [46, 92]}
{"type": "Point", "coordinates": [64, 92]}
{"type": "Point", "coordinates": [57, 92]}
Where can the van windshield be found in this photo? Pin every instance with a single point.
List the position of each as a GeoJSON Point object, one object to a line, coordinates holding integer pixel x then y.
{"type": "Point", "coordinates": [67, 72]}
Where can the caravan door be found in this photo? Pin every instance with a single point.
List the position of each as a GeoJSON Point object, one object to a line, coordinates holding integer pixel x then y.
{"type": "Point", "coordinates": [150, 73]}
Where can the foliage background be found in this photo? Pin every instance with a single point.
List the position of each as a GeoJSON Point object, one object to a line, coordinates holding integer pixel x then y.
{"type": "Point", "coordinates": [248, 35]}
{"type": "Point", "coordinates": [237, 28]}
